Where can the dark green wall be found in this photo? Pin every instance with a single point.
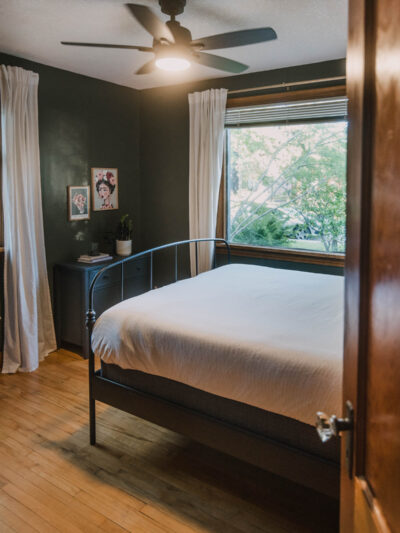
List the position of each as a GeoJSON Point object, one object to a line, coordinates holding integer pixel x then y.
{"type": "Point", "coordinates": [164, 149]}
{"type": "Point", "coordinates": [83, 122]}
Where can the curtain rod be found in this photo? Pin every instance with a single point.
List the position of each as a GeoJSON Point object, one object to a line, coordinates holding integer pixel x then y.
{"type": "Point", "coordinates": [287, 85]}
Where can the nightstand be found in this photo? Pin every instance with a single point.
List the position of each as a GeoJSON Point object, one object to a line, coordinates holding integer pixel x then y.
{"type": "Point", "coordinates": [71, 296]}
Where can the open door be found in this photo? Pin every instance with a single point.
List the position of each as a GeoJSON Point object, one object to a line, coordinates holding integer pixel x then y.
{"type": "Point", "coordinates": [370, 476]}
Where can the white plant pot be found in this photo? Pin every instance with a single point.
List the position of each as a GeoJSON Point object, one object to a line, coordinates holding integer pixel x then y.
{"type": "Point", "coordinates": [124, 247]}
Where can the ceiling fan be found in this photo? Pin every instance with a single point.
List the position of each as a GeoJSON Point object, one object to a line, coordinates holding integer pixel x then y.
{"type": "Point", "coordinates": [173, 46]}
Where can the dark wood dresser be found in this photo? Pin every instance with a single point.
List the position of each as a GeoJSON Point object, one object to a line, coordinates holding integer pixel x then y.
{"type": "Point", "coordinates": [71, 292]}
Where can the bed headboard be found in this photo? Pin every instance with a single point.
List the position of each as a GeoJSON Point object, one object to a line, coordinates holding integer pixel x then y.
{"type": "Point", "coordinates": [91, 312]}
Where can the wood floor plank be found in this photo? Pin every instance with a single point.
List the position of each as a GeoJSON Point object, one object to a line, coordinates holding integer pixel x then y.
{"type": "Point", "coordinates": [25, 513]}
{"type": "Point", "coordinates": [13, 521]}
{"type": "Point", "coordinates": [59, 516]}
{"type": "Point", "coordinates": [92, 520]}
{"type": "Point", "coordinates": [139, 478]}
{"type": "Point", "coordinates": [179, 526]}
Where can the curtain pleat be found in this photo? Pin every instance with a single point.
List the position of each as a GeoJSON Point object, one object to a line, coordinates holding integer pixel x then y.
{"type": "Point", "coordinates": [28, 322]}
{"type": "Point", "coordinates": [207, 112]}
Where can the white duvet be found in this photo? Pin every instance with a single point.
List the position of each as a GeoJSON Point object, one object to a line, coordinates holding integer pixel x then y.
{"type": "Point", "coordinates": [267, 337]}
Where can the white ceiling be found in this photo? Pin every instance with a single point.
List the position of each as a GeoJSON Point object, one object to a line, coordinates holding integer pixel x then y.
{"type": "Point", "coordinates": [308, 31]}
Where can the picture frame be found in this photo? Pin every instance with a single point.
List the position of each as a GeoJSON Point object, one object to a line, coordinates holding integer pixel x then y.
{"type": "Point", "coordinates": [78, 202]}
{"type": "Point", "coordinates": [104, 189]}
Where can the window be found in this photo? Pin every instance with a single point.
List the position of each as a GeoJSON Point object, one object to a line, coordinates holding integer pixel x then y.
{"type": "Point", "coordinates": [286, 175]}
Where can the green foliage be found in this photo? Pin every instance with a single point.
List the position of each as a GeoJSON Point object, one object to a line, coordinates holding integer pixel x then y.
{"type": "Point", "coordinates": [124, 228]}
{"type": "Point", "coordinates": [268, 230]}
{"type": "Point", "coordinates": [293, 175]}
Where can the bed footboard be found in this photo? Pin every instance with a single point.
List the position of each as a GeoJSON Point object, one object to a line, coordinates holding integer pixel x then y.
{"type": "Point", "coordinates": [91, 312]}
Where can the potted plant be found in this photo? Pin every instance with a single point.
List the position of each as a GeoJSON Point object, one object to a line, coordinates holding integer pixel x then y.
{"type": "Point", "coordinates": [124, 236]}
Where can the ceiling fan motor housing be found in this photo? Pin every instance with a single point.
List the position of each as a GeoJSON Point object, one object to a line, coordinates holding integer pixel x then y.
{"type": "Point", "coordinates": [172, 7]}
{"type": "Point", "coordinates": [181, 35]}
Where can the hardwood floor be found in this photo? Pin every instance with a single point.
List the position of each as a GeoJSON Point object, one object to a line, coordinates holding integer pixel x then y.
{"type": "Point", "coordinates": [139, 478]}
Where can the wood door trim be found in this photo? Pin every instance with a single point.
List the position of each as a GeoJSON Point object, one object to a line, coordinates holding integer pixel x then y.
{"type": "Point", "coordinates": [368, 514]}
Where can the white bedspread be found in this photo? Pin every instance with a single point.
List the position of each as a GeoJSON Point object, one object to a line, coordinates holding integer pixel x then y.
{"type": "Point", "coordinates": [267, 337]}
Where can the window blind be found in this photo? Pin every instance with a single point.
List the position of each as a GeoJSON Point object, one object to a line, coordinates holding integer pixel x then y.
{"type": "Point", "coordinates": [334, 107]}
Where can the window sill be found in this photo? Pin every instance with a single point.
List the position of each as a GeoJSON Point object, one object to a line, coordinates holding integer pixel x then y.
{"type": "Point", "coordinates": [279, 254]}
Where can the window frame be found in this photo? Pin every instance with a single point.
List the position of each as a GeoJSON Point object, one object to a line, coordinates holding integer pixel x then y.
{"type": "Point", "coordinates": [269, 252]}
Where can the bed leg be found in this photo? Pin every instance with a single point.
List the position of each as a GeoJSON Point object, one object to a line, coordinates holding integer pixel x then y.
{"type": "Point", "coordinates": [90, 320]}
{"type": "Point", "coordinates": [92, 421]}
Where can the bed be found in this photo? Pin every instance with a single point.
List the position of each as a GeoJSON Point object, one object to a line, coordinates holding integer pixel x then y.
{"type": "Point", "coordinates": [239, 358]}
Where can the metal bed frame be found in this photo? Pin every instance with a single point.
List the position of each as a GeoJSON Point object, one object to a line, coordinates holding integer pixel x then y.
{"type": "Point", "coordinates": [297, 465]}
{"type": "Point", "coordinates": [91, 313]}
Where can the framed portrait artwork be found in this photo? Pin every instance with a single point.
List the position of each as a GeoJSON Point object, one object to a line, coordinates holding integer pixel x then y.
{"type": "Point", "coordinates": [78, 202]}
{"type": "Point", "coordinates": [104, 189]}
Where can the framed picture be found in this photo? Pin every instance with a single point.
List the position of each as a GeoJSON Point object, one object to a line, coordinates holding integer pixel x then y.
{"type": "Point", "coordinates": [78, 202]}
{"type": "Point", "coordinates": [104, 189]}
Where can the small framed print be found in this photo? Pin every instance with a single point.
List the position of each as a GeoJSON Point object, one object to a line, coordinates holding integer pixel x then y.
{"type": "Point", "coordinates": [78, 202]}
{"type": "Point", "coordinates": [104, 189]}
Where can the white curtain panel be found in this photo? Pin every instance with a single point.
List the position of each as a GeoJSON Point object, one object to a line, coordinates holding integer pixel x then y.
{"type": "Point", "coordinates": [28, 322]}
{"type": "Point", "coordinates": [207, 112]}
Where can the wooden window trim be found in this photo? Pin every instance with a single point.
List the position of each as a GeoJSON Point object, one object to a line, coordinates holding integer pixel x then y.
{"type": "Point", "coordinates": [264, 252]}
{"type": "Point", "coordinates": [282, 254]}
{"type": "Point", "coordinates": [287, 96]}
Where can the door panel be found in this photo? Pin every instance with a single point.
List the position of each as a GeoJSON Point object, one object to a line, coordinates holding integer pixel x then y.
{"type": "Point", "coordinates": [357, 239]}
{"type": "Point", "coordinates": [382, 451]}
{"type": "Point", "coordinates": [370, 500]}
{"type": "Point", "coordinates": [368, 515]}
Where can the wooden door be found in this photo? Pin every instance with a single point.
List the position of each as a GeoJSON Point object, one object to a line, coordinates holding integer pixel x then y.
{"type": "Point", "coordinates": [370, 499]}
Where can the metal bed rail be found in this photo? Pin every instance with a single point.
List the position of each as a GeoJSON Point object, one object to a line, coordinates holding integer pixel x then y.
{"type": "Point", "coordinates": [151, 253]}
{"type": "Point", "coordinates": [91, 313]}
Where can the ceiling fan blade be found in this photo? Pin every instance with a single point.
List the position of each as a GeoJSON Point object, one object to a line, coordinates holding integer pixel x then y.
{"type": "Point", "coordinates": [221, 63]}
{"type": "Point", "coordinates": [147, 68]}
{"type": "Point", "coordinates": [100, 45]}
{"type": "Point", "coordinates": [236, 38]}
{"type": "Point", "coordinates": [151, 22]}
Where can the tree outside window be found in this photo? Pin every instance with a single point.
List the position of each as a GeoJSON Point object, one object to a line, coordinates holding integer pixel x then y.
{"type": "Point", "coordinates": [287, 185]}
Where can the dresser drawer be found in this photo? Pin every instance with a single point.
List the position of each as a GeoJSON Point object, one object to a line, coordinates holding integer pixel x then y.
{"type": "Point", "coordinates": [136, 268]}
{"type": "Point", "coordinates": [109, 277]}
{"type": "Point", "coordinates": [71, 293]}
{"type": "Point", "coordinates": [106, 296]}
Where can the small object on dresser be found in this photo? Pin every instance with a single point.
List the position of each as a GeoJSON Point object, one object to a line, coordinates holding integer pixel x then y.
{"type": "Point", "coordinates": [94, 258]}
{"type": "Point", "coordinates": [124, 236]}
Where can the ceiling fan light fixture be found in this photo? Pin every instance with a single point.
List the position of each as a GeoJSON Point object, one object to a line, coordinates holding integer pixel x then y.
{"type": "Point", "coordinates": [173, 64]}
{"type": "Point", "coordinates": [173, 47]}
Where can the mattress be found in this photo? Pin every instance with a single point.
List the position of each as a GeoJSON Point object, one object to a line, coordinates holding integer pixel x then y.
{"type": "Point", "coordinates": [266, 337]}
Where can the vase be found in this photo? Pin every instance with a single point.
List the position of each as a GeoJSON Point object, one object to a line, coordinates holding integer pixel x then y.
{"type": "Point", "coordinates": [124, 247]}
